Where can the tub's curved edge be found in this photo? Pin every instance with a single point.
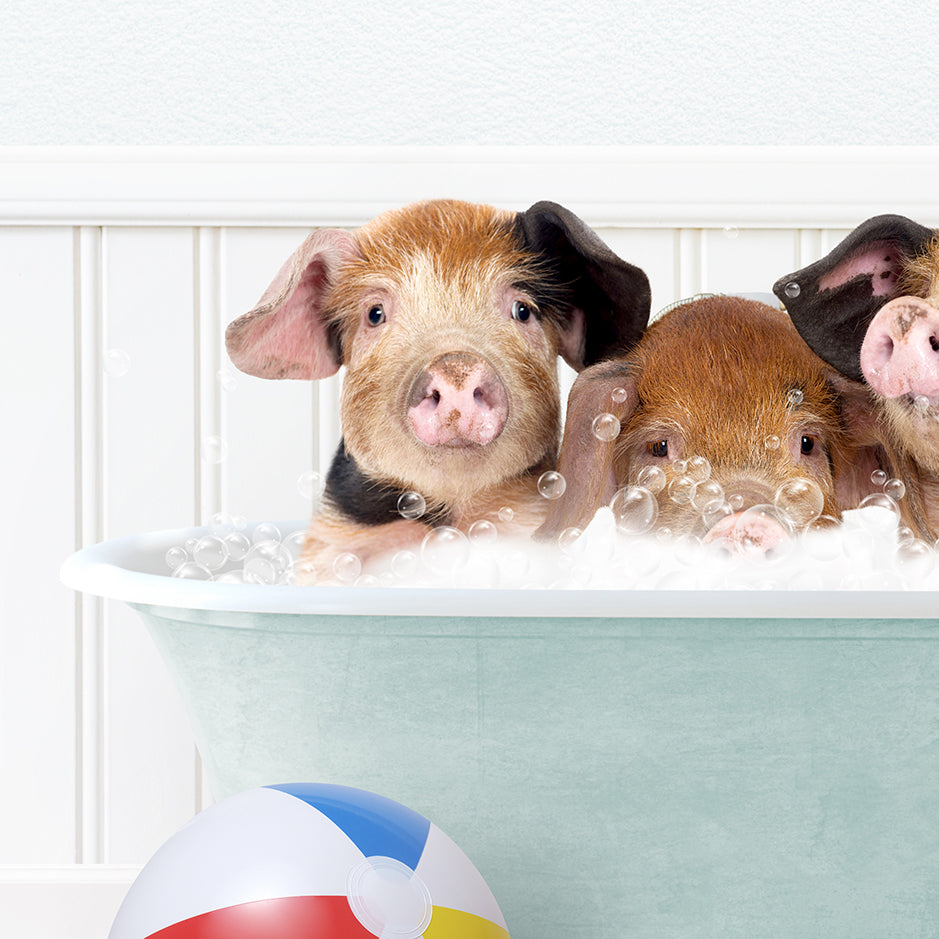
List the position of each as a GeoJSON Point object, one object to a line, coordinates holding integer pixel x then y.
{"type": "Point", "coordinates": [110, 569]}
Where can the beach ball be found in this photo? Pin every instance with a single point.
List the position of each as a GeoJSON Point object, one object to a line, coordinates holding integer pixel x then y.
{"type": "Point", "coordinates": [309, 860]}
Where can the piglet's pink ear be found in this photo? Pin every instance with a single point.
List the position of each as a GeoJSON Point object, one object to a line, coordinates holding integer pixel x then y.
{"type": "Point", "coordinates": [285, 335]}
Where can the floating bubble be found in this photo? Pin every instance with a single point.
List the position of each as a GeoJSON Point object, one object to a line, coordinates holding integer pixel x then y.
{"type": "Point", "coordinates": [619, 395]}
{"type": "Point", "coordinates": [405, 564]}
{"type": "Point", "coordinates": [916, 558]}
{"type": "Point", "coordinates": [714, 511]}
{"type": "Point", "coordinates": [226, 380]}
{"type": "Point", "coordinates": [606, 427]}
{"type": "Point", "coordinates": [230, 577]}
{"type": "Point", "coordinates": [754, 524]}
{"type": "Point", "coordinates": [238, 545]}
{"type": "Point", "coordinates": [214, 449]}
{"type": "Point", "coordinates": [792, 290]}
{"type": "Point", "coordinates": [506, 514]}
{"type": "Point", "coordinates": [310, 485]}
{"type": "Point", "coordinates": [552, 484]}
{"type": "Point", "coordinates": [568, 538]}
{"type": "Point", "coordinates": [211, 552]}
{"type": "Point", "coordinates": [706, 492]}
{"type": "Point", "coordinates": [880, 500]}
{"type": "Point", "coordinates": [266, 562]}
{"type": "Point", "coordinates": [878, 477]}
{"type": "Point", "coordinates": [346, 567]}
{"type": "Point", "coordinates": [483, 532]}
{"type": "Point", "coordinates": [698, 468]}
{"type": "Point", "coordinates": [800, 500]}
{"type": "Point", "coordinates": [445, 550]}
{"type": "Point", "coordinates": [294, 544]}
{"type": "Point", "coordinates": [731, 232]}
{"type": "Point", "coordinates": [679, 467]}
{"type": "Point", "coordinates": [265, 531]}
{"type": "Point", "coordinates": [192, 571]}
{"type": "Point", "coordinates": [116, 363]}
{"type": "Point", "coordinates": [239, 522]}
{"type": "Point", "coordinates": [220, 523]}
{"type": "Point", "coordinates": [795, 397]}
{"type": "Point", "coordinates": [652, 478]}
{"type": "Point", "coordinates": [895, 488]}
{"type": "Point", "coordinates": [411, 505]}
{"type": "Point", "coordinates": [176, 557]}
{"type": "Point", "coordinates": [681, 489]}
{"type": "Point", "coordinates": [635, 510]}
{"type": "Point", "coordinates": [771, 442]}
{"type": "Point", "coordinates": [735, 501]}
{"type": "Point", "coordinates": [921, 403]}
{"type": "Point", "coordinates": [367, 580]}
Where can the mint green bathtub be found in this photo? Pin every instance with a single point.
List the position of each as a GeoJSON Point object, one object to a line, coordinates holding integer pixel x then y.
{"type": "Point", "coordinates": [616, 763]}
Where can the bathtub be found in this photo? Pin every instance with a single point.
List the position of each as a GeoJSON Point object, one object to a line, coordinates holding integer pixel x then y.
{"type": "Point", "coordinates": [616, 763]}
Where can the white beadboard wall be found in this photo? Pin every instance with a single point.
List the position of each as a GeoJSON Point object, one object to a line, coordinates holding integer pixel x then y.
{"type": "Point", "coordinates": [139, 258]}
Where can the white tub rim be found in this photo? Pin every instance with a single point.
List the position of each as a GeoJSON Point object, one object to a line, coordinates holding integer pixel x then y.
{"type": "Point", "coordinates": [111, 569]}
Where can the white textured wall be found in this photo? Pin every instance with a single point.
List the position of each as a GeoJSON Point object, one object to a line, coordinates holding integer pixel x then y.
{"type": "Point", "coordinates": [471, 71]}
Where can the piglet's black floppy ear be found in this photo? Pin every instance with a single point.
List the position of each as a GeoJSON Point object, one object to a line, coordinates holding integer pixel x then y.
{"type": "Point", "coordinates": [614, 295]}
{"type": "Point", "coordinates": [832, 301]}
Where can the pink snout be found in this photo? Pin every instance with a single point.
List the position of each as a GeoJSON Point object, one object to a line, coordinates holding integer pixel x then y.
{"type": "Point", "coordinates": [753, 532]}
{"type": "Point", "coordinates": [457, 401]}
{"type": "Point", "coordinates": [900, 353]}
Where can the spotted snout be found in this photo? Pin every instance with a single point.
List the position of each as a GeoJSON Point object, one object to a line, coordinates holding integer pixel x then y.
{"type": "Point", "coordinates": [458, 400]}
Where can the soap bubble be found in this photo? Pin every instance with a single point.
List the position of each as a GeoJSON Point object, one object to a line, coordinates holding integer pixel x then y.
{"type": "Point", "coordinates": [226, 380]}
{"type": "Point", "coordinates": [230, 577]}
{"type": "Point", "coordinates": [176, 557]}
{"type": "Point", "coordinates": [214, 449]}
{"type": "Point", "coordinates": [635, 509]}
{"type": "Point", "coordinates": [800, 500]}
{"type": "Point", "coordinates": [878, 477]}
{"type": "Point", "coordinates": [404, 564]}
{"type": "Point", "coordinates": [192, 571]}
{"type": "Point", "coordinates": [606, 427]}
{"type": "Point", "coordinates": [367, 580]}
{"type": "Point", "coordinates": [116, 363]}
{"type": "Point", "coordinates": [895, 488]}
{"type": "Point", "coordinates": [795, 397]}
{"type": "Point", "coordinates": [880, 500]}
{"type": "Point", "coordinates": [698, 468]}
{"type": "Point", "coordinates": [714, 511]}
{"type": "Point", "coordinates": [506, 513]}
{"type": "Point", "coordinates": [568, 538]}
{"type": "Point", "coordinates": [411, 505]}
{"type": "Point", "coordinates": [681, 489]}
{"type": "Point", "coordinates": [445, 550]}
{"type": "Point", "coordinates": [294, 544]}
{"type": "Point", "coordinates": [211, 552]}
{"type": "Point", "coordinates": [483, 532]}
{"type": "Point", "coordinates": [310, 485]}
{"type": "Point", "coordinates": [347, 567]}
{"type": "Point", "coordinates": [265, 531]}
{"type": "Point", "coordinates": [238, 545]}
{"type": "Point", "coordinates": [706, 492]}
{"type": "Point", "coordinates": [731, 232]}
{"type": "Point", "coordinates": [679, 467]}
{"type": "Point", "coordinates": [552, 485]}
{"type": "Point", "coordinates": [916, 558]}
{"type": "Point", "coordinates": [792, 290]}
{"type": "Point", "coordinates": [921, 403]}
{"type": "Point", "coordinates": [619, 395]}
{"type": "Point", "coordinates": [266, 562]}
{"type": "Point", "coordinates": [771, 442]}
{"type": "Point", "coordinates": [220, 523]}
{"type": "Point", "coordinates": [652, 478]}
{"type": "Point", "coordinates": [754, 519]}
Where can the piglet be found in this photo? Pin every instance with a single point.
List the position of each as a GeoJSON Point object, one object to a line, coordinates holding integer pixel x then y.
{"type": "Point", "coordinates": [870, 308]}
{"type": "Point", "coordinates": [723, 412]}
{"type": "Point", "coordinates": [449, 318]}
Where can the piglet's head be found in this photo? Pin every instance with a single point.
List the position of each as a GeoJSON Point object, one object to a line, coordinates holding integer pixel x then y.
{"type": "Point", "coordinates": [449, 318]}
{"type": "Point", "coordinates": [870, 309]}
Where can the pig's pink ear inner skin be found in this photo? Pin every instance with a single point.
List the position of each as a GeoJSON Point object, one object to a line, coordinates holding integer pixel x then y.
{"type": "Point", "coordinates": [613, 295]}
{"type": "Point", "coordinates": [286, 334]}
{"type": "Point", "coordinates": [832, 301]}
{"type": "Point", "coordinates": [585, 461]}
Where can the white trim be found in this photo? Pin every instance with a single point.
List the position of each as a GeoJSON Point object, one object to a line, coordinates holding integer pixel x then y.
{"type": "Point", "coordinates": [825, 187]}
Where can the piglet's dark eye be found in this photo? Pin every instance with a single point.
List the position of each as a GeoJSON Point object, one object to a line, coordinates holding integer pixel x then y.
{"type": "Point", "coordinates": [659, 448]}
{"type": "Point", "coordinates": [808, 445]}
{"type": "Point", "coordinates": [521, 311]}
{"type": "Point", "coordinates": [376, 315]}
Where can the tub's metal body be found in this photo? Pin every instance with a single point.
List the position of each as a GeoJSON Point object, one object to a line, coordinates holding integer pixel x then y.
{"type": "Point", "coordinates": [615, 763]}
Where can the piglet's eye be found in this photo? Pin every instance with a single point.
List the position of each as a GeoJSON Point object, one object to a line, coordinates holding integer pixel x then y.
{"type": "Point", "coordinates": [521, 311]}
{"type": "Point", "coordinates": [659, 448]}
{"type": "Point", "coordinates": [376, 315]}
{"type": "Point", "coordinates": [808, 444]}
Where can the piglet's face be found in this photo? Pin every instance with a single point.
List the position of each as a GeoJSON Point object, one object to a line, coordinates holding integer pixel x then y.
{"type": "Point", "coordinates": [450, 352]}
{"type": "Point", "coordinates": [724, 409]}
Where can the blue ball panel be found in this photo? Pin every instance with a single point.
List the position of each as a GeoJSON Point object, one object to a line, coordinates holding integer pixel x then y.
{"type": "Point", "coordinates": [376, 825]}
